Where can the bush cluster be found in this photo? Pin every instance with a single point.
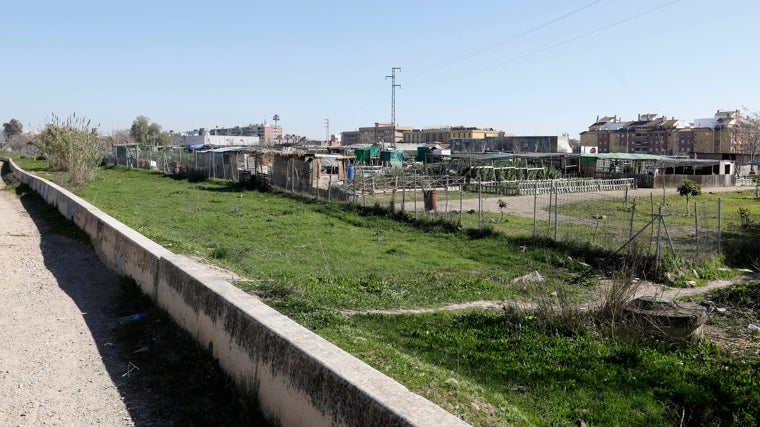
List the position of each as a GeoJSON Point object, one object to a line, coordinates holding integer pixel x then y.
{"type": "Point", "coordinates": [71, 146]}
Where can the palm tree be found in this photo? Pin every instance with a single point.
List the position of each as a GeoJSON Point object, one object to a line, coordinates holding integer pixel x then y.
{"type": "Point", "coordinates": [276, 119]}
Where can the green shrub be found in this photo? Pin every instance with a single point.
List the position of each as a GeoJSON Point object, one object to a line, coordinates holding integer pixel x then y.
{"type": "Point", "coordinates": [746, 219]}
{"type": "Point", "coordinates": [71, 146]}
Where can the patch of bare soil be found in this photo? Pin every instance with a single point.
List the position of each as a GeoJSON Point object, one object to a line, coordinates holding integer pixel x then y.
{"type": "Point", "coordinates": [59, 363]}
{"type": "Point", "coordinates": [642, 288]}
{"type": "Point", "coordinates": [727, 327]}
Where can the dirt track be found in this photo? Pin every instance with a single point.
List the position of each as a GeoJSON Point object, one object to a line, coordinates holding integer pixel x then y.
{"type": "Point", "coordinates": [641, 289]}
{"type": "Point", "coordinates": [58, 366]}
{"type": "Point", "coordinates": [523, 205]}
{"type": "Point", "coordinates": [64, 358]}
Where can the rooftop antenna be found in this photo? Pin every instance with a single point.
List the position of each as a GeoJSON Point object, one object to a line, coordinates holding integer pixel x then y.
{"type": "Point", "coordinates": [393, 102]}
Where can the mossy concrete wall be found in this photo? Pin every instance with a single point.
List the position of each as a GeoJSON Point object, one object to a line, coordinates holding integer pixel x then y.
{"type": "Point", "coordinates": [297, 378]}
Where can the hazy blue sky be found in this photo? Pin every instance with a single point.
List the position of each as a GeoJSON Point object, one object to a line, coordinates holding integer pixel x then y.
{"type": "Point", "coordinates": [528, 67]}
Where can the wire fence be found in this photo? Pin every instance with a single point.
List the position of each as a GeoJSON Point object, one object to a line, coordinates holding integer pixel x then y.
{"type": "Point", "coordinates": [618, 221]}
{"type": "Point", "coordinates": [606, 214]}
{"type": "Point", "coordinates": [602, 213]}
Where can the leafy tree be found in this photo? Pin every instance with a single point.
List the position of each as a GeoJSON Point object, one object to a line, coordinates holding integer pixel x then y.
{"type": "Point", "coordinates": [139, 129]}
{"type": "Point", "coordinates": [163, 139]}
{"type": "Point", "coordinates": [12, 128]}
{"type": "Point", "coordinates": [145, 132]}
{"type": "Point", "coordinates": [688, 188]}
{"type": "Point", "coordinates": [71, 146]}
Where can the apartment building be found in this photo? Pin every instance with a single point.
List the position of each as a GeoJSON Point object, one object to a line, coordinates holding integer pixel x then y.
{"type": "Point", "coordinates": [350, 137]}
{"type": "Point", "coordinates": [380, 133]}
{"type": "Point", "coordinates": [717, 134]}
{"type": "Point", "coordinates": [267, 134]}
{"type": "Point", "coordinates": [650, 134]}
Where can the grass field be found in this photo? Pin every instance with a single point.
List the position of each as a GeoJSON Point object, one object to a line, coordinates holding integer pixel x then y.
{"type": "Point", "coordinates": [311, 260]}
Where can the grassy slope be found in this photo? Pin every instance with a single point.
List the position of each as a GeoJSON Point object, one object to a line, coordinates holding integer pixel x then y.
{"type": "Point", "coordinates": [332, 257]}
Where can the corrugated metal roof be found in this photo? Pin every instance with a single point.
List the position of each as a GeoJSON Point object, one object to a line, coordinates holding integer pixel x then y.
{"type": "Point", "coordinates": [664, 160]}
{"type": "Point", "coordinates": [625, 156]}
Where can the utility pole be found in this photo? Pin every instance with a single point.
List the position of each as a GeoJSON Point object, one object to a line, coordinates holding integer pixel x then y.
{"type": "Point", "coordinates": [327, 131]}
{"type": "Point", "coordinates": [393, 102]}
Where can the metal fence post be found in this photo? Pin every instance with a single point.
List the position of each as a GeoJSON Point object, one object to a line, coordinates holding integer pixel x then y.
{"type": "Point", "coordinates": [556, 210]}
{"type": "Point", "coordinates": [403, 189]}
{"type": "Point", "coordinates": [461, 196]}
{"type": "Point", "coordinates": [414, 185]}
{"type": "Point", "coordinates": [446, 193]}
{"type": "Point", "coordinates": [719, 225]}
{"type": "Point", "coordinates": [480, 205]}
{"type": "Point", "coordinates": [551, 199]}
{"type": "Point", "coordinates": [633, 213]}
{"type": "Point", "coordinates": [535, 204]}
{"type": "Point", "coordinates": [658, 250]}
{"type": "Point", "coordinates": [696, 228]}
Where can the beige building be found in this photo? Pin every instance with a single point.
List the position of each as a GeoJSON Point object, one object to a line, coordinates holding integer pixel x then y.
{"type": "Point", "coordinates": [448, 134]}
{"type": "Point", "coordinates": [718, 134]}
{"type": "Point", "coordinates": [650, 134]}
{"type": "Point", "coordinates": [380, 133]}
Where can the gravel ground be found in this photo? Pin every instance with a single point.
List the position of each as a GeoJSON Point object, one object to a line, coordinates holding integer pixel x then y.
{"type": "Point", "coordinates": [64, 358]}
{"type": "Point", "coordinates": [58, 365]}
{"type": "Point", "coordinates": [523, 205]}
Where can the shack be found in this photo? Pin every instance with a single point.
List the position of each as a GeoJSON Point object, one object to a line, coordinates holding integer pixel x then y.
{"type": "Point", "coordinates": [308, 172]}
{"type": "Point", "coordinates": [392, 158]}
{"type": "Point", "coordinates": [651, 171]}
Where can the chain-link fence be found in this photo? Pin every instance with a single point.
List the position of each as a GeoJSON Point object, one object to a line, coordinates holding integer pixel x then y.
{"type": "Point", "coordinates": [622, 221]}
{"type": "Point", "coordinates": [604, 213]}
{"type": "Point", "coordinates": [608, 214]}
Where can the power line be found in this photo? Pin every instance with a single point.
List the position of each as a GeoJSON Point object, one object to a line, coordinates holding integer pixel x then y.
{"type": "Point", "coordinates": [526, 55]}
{"type": "Point", "coordinates": [600, 29]}
{"type": "Point", "coordinates": [564, 42]}
{"type": "Point", "coordinates": [512, 38]}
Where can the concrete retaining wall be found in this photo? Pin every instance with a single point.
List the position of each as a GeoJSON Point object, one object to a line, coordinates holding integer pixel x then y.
{"type": "Point", "coordinates": [298, 378]}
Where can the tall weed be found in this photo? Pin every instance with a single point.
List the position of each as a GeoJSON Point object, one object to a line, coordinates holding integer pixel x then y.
{"type": "Point", "coordinates": [71, 146]}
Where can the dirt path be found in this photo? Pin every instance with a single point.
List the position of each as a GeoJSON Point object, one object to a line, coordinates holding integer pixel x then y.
{"type": "Point", "coordinates": [54, 360]}
{"type": "Point", "coordinates": [644, 288]}
{"type": "Point", "coordinates": [523, 205]}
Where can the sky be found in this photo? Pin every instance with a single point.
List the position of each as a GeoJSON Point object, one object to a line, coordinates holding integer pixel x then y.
{"type": "Point", "coordinates": [541, 67]}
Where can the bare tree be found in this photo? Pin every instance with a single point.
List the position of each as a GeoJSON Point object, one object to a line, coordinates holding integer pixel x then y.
{"type": "Point", "coordinates": [749, 134]}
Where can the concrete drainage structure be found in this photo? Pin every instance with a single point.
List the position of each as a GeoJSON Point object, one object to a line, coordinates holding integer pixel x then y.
{"type": "Point", "coordinates": [667, 319]}
{"type": "Point", "coordinates": [297, 377]}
